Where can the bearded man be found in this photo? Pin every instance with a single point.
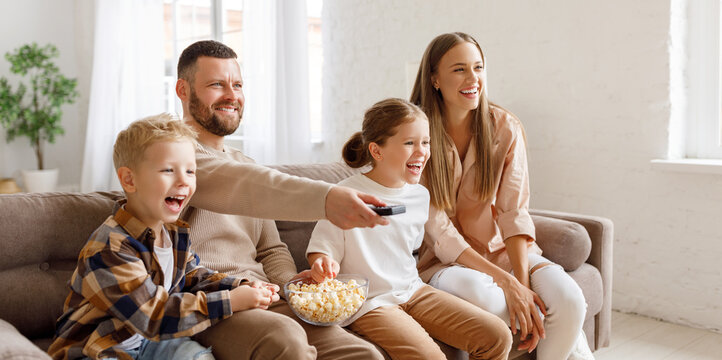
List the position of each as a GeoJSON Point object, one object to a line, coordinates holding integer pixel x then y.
{"type": "Point", "coordinates": [230, 189]}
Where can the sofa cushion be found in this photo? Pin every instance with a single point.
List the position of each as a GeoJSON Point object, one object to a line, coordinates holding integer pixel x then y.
{"type": "Point", "coordinates": [42, 235]}
{"type": "Point", "coordinates": [14, 346]}
{"type": "Point", "coordinates": [563, 242]}
{"type": "Point", "coordinates": [296, 236]}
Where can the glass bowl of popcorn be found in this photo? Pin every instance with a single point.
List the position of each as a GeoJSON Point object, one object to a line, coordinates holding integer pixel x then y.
{"type": "Point", "coordinates": [327, 303]}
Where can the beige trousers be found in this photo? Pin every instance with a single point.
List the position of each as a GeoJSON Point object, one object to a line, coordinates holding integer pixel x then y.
{"type": "Point", "coordinates": [405, 331]}
{"type": "Point", "coordinates": [277, 333]}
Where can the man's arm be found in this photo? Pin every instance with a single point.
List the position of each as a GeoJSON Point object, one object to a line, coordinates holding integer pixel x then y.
{"type": "Point", "coordinates": [230, 187]}
{"type": "Point", "coordinates": [277, 261]}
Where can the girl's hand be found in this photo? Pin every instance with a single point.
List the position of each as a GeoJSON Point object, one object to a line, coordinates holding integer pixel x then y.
{"type": "Point", "coordinates": [324, 267]}
{"type": "Point", "coordinates": [522, 303]}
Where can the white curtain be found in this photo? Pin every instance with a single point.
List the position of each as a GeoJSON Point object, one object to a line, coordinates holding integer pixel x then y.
{"type": "Point", "coordinates": [127, 81]}
{"type": "Point", "coordinates": [275, 60]}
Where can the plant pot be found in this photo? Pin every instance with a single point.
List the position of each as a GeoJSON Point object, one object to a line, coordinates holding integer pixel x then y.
{"type": "Point", "coordinates": [40, 180]}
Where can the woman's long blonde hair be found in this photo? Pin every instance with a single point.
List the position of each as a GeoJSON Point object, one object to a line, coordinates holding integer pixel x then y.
{"type": "Point", "coordinates": [439, 172]}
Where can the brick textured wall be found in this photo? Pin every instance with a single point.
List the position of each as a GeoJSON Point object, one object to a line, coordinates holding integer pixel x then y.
{"type": "Point", "coordinates": [590, 81]}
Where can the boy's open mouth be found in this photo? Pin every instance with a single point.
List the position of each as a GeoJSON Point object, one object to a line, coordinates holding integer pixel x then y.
{"type": "Point", "coordinates": [175, 203]}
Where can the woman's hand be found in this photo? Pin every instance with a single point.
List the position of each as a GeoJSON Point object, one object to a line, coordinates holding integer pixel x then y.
{"type": "Point", "coordinates": [522, 303]}
{"type": "Point", "coordinates": [530, 344]}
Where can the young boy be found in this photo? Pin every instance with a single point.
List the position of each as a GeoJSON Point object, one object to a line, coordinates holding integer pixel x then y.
{"type": "Point", "coordinates": [138, 292]}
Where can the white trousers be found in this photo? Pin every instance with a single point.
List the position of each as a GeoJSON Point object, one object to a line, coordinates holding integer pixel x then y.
{"type": "Point", "coordinates": [562, 296]}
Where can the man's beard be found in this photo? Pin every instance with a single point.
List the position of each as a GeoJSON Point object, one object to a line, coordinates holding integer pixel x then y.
{"type": "Point", "coordinates": [205, 116]}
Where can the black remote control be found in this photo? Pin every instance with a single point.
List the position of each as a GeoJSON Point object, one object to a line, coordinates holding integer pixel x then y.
{"type": "Point", "coordinates": [388, 210]}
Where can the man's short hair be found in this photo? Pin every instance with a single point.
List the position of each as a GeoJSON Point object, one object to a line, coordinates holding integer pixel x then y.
{"type": "Point", "coordinates": [211, 48]}
{"type": "Point", "coordinates": [131, 143]}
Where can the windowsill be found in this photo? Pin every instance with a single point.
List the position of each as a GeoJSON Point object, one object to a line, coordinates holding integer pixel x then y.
{"type": "Point", "coordinates": [699, 166]}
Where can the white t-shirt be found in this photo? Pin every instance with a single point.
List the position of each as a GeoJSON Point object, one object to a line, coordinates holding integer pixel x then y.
{"type": "Point", "coordinates": [383, 254]}
{"type": "Point", "coordinates": [165, 260]}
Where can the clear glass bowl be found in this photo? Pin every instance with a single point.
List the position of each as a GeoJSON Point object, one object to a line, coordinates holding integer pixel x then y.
{"type": "Point", "coordinates": [331, 302]}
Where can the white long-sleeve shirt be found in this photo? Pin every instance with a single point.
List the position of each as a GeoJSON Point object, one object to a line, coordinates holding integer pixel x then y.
{"type": "Point", "coordinates": [384, 254]}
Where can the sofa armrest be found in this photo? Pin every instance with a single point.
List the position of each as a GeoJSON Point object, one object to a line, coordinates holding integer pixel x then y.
{"type": "Point", "coordinates": [564, 242]}
{"type": "Point", "coordinates": [601, 233]}
{"type": "Point", "coordinates": [13, 345]}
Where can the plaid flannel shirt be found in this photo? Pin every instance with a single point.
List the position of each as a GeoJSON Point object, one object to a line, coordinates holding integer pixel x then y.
{"type": "Point", "coordinates": [115, 292]}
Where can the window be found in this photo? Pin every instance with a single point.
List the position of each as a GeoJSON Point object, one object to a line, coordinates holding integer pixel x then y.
{"type": "Point", "coordinates": [315, 66]}
{"type": "Point", "coordinates": [187, 21]}
{"type": "Point", "coordinates": [696, 89]}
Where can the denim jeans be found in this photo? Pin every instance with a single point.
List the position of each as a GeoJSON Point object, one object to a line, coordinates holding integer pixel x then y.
{"type": "Point", "coordinates": [174, 349]}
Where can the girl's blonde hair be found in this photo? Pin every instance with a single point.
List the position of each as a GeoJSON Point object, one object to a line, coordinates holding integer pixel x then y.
{"type": "Point", "coordinates": [380, 123]}
{"type": "Point", "coordinates": [131, 143]}
{"type": "Point", "coordinates": [439, 172]}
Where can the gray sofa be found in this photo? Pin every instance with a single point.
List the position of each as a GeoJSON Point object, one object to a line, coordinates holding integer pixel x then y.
{"type": "Point", "coordinates": [41, 234]}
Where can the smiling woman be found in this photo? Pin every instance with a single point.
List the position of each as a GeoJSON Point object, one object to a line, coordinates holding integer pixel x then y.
{"type": "Point", "coordinates": [480, 231]}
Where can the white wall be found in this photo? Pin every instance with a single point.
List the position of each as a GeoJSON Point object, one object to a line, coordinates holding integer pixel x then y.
{"type": "Point", "coordinates": [590, 80]}
{"type": "Point", "coordinates": [56, 22]}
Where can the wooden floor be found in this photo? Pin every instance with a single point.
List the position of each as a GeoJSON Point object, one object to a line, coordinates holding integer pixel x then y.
{"type": "Point", "coordinates": [638, 337]}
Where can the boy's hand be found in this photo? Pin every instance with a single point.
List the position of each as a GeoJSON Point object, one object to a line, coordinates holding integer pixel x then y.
{"type": "Point", "coordinates": [264, 285]}
{"type": "Point", "coordinates": [324, 267]}
{"type": "Point", "coordinates": [257, 295]}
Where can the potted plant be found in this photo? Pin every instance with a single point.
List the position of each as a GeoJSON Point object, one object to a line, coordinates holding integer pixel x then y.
{"type": "Point", "coordinates": [36, 113]}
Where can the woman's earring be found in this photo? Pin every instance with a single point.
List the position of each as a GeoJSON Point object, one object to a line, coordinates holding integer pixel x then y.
{"type": "Point", "coordinates": [436, 87]}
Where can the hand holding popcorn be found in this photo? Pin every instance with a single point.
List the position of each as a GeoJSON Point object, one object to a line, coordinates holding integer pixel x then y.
{"type": "Point", "coordinates": [323, 267]}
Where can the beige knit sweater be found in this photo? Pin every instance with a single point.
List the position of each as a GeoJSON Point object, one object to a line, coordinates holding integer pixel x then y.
{"type": "Point", "coordinates": [230, 186]}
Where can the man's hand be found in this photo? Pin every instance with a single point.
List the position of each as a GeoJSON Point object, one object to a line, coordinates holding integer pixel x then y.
{"type": "Point", "coordinates": [255, 295]}
{"type": "Point", "coordinates": [346, 208]}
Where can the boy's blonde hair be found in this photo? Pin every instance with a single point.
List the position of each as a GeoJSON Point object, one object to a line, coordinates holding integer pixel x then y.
{"type": "Point", "coordinates": [131, 143]}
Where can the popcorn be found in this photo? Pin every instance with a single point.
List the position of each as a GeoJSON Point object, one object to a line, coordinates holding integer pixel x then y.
{"type": "Point", "coordinates": [330, 301]}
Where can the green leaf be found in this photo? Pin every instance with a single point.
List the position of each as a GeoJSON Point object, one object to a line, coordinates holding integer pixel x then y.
{"type": "Point", "coordinates": [35, 114]}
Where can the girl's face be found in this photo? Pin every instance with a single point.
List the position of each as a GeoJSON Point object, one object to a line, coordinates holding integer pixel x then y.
{"type": "Point", "coordinates": [403, 156]}
{"type": "Point", "coordinates": [460, 76]}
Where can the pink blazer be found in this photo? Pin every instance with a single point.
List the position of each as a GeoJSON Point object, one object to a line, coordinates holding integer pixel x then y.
{"type": "Point", "coordinates": [483, 225]}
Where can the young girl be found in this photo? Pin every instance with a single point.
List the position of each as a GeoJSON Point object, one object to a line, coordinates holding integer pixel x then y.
{"type": "Point", "coordinates": [479, 184]}
{"type": "Point", "coordinates": [401, 313]}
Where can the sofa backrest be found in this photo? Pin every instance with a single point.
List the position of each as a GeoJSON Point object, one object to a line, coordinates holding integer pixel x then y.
{"type": "Point", "coordinates": [40, 237]}
{"type": "Point", "coordinates": [296, 234]}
